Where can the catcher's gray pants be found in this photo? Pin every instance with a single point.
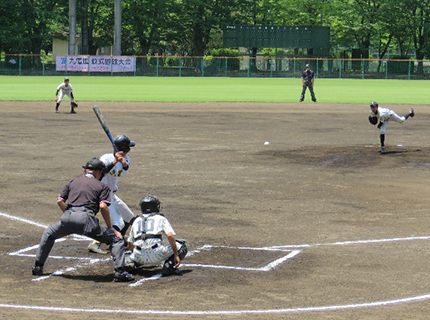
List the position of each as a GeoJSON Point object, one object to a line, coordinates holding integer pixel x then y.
{"type": "Point", "coordinates": [152, 252]}
{"type": "Point", "coordinates": [309, 85]}
{"type": "Point", "coordinates": [81, 221]}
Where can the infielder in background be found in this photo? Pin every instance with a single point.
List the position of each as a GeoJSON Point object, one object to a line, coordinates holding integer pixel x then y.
{"type": "Point", "coordinates": [65, 89]}
{"type": "Point", "coordinates": [384, 115]}
{"type": "Point", "coordinates": [145, 240]}
{"type": "Point", "coordinates": [117, 165]}
{"type": "Point", "coordinates": [80, 200]}
{"type": "Point", "coordinates": [308, 78]}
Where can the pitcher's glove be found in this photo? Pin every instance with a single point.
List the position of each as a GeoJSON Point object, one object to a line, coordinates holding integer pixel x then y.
{"type": "Point", "coordinates": [373, 120]}
{"type": "Point", "coordinates": [74, 104]}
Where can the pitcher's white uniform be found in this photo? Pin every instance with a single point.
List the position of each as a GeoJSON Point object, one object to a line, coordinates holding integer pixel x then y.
{"type": "Point", "coordinates": [151, 251]}
{"type": "Point", "coordinates": [384, 115]}
{"type": "Point", "coordinates": [119, 211]}
{"type": "Point", "coordinates": [65, 90]}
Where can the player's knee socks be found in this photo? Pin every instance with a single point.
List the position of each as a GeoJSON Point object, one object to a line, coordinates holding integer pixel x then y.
{"type": "Point", "coordinates": [382, 139]}
{"type": "Point", "coordinates": [124, 230]}
{"type": "Point", "coordinates": [407, 116]}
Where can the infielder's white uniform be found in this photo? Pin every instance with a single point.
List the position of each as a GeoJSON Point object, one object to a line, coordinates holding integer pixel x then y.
{"type": "Point", "coordinates": [65, 90]}
{"type": "Point", "coordinates": [119, 211]}
{"type": "Point", "coordinates": [151, 251]}
{"type": "Point", "coordinates": [384, 115]}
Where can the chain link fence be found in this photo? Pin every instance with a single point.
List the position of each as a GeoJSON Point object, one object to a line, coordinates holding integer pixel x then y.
{"type": "Point", "coordinates": [245, 67]}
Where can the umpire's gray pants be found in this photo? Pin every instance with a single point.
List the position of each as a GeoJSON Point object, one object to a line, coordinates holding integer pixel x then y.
{"type": "Point", "coordinates": [81, 221]}
{"type": "Point", "coordinates": [309, 85]}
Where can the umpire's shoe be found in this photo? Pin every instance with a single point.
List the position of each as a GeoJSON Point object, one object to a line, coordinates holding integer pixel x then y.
{"type": "Point", "coordinates": [123, 276]}
{"type": "Point", "coordinates": [37, 270]}
{"type": "Point", "coordinates": [95, 247]}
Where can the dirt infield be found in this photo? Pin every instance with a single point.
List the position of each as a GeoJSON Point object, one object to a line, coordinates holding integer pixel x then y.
{"type": "Point", "coordinates": [319, 183]}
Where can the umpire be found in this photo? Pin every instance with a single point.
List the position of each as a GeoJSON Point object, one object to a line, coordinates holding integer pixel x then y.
{"type": "Point", "coordinates": [308, 78]}
{"type": "Point", "coordinates": [80, 200]}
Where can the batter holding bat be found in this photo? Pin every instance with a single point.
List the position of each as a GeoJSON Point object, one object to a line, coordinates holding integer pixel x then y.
{"type": "Point", "coordinates": [384, 115]}
{"type": "Point", "coordinates": [117, 165]}
{"type": "Point", "coordinates": [65, 88]}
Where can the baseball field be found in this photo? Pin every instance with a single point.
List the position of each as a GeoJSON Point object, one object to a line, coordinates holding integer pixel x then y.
{"type": "Point", "coordinates": [313, 224]}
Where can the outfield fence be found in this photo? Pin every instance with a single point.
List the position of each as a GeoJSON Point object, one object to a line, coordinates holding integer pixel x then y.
{"type": "Point", "coordinates": [210, 66]}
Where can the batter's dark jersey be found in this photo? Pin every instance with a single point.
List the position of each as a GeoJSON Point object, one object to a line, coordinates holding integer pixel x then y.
{"type": "Point", "coordinates": [308, 75]}
{"type": "Point", "coordinates": [85, 191]}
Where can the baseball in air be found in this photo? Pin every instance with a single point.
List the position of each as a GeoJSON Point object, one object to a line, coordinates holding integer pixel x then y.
{"type": "Point", "coordinates": [266, 143]}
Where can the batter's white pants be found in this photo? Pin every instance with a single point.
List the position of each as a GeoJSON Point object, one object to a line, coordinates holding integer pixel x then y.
{"type": "Point", "coordinates": [61, 95]}
{"type": "Point", "coordinates": [119, 212]}
{"type": "Point", "coordinates": [394, 116]}
{"type": "Point", "coordinates": [152, 252]}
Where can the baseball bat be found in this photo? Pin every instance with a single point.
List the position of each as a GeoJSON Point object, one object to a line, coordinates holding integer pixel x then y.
{"type": "Point", "coordinates": [104, 126]}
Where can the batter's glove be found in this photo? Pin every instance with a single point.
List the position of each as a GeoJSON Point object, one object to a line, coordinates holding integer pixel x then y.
{"type": "Point", "coordinates": [373, 120]}
{"type": "Point", "coordinates": [74, 104]}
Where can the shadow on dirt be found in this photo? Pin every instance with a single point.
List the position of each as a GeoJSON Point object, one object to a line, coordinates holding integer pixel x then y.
{"type": "Point", "coordinates": [94, 278]}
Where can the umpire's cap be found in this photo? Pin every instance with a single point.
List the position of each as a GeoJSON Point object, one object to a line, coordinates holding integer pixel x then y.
{"type": "Point", "coordinates": [95, 164]}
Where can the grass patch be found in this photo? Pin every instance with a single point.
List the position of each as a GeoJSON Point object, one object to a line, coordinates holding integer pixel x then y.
{"type": "Point", "coordinates": [170, 89]}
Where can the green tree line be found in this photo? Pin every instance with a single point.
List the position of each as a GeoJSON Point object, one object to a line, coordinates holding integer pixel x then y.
{"type": "Point", "coordinates": [194, 27]}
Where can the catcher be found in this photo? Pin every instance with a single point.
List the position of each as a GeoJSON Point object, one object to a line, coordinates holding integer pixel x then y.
{"type": "Point", "coordinates": [145, 240]}
{"type": "Point", "coordinates": [384, 115]}
{"type": "Point", "coordinates": [65, 88]}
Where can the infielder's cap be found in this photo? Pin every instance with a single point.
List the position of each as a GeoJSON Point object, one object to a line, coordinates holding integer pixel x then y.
{"type": "Point", "coordinates": [66, 79]}
{"type": "Point", "coordinates": [308, 66]}
{"type": "Point", "coordinates": [95, 164]}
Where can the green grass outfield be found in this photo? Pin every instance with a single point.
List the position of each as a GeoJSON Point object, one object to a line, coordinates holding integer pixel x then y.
{"type": "Point", "coordinates": [216, 89]}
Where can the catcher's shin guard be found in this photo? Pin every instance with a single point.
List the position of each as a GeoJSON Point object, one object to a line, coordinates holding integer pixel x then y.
{"type": "Point", "coordinates": [182, 252]}
{"type": "Point", "coordinates": [169, 265]}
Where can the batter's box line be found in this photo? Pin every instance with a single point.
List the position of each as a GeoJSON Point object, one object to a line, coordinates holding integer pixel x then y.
{"type": "Point", "coordinates": [207, 247]}
{"type": "Point", "coordinates": [270, 266]}
{"type": "Point", "coordinates": [21, 252]}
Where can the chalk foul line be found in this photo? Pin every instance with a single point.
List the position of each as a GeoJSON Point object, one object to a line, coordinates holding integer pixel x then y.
{"type": "Point", "coordinates": [224, 312]}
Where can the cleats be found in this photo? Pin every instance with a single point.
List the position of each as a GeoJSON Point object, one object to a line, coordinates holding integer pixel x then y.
{"type": "Point", "coordinates": [96, 248]}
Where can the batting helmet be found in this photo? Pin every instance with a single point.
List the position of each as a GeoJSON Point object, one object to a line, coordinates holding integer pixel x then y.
{"type": "Point", "coordinates": [374, 104]}
{"type": "Point", "coordinates": [95, 164]}
{"type": "Point", "coordinates": [123, 143]}
{"type": "Point", "coordinates": [149, 204]}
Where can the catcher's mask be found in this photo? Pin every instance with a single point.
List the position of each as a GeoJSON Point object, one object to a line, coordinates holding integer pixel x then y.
{"type": "Point", "coordinates": [149, 204]}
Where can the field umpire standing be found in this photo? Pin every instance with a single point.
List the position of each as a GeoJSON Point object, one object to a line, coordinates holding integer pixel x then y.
{"type": "Point", "coordinates": [308, 78]}
{"type": "Point", "coordinates": [85, 196]}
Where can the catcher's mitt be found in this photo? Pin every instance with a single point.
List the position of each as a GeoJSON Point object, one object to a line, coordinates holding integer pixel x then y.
{"type": "Point", "coordinates": [74, 104]}
{"type": "Point", "coordinates": [373, 120]}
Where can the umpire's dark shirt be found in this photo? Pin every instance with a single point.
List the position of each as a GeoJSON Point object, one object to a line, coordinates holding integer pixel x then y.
{"type": "Point", "coordinates": [308, 75]}
{"type": "Point", "coordinates": [85, 191]}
